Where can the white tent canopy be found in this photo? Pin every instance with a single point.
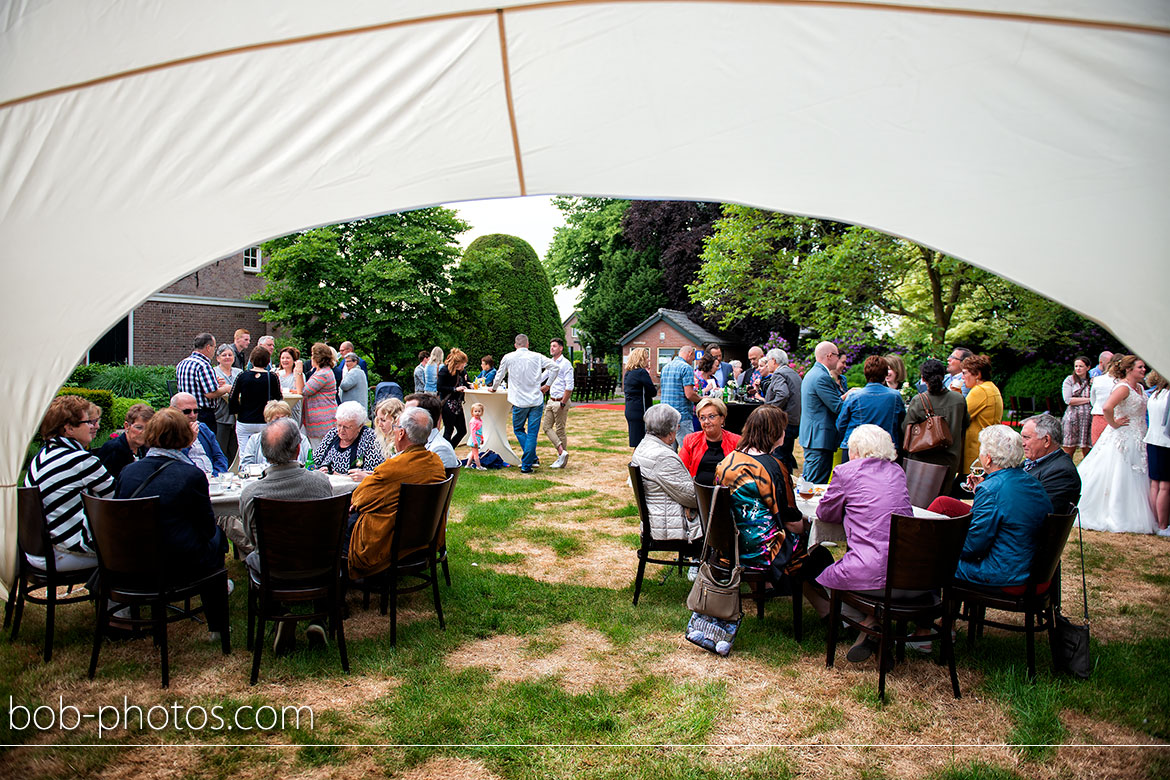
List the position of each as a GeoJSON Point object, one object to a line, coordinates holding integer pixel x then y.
{"type": "Point", "coordinates": [140, 140]}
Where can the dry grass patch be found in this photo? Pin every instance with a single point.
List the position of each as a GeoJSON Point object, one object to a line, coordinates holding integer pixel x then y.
{"type": "Point", "coordinates": [449, 769]}
{"type": "Point", "coordinates": [595, 568]}
{"type": "Point", "coordinates": [1093, 755]}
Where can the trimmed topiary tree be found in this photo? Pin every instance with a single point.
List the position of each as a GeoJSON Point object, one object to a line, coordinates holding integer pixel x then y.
{"type": "Point", "coordinates": [502, 290]}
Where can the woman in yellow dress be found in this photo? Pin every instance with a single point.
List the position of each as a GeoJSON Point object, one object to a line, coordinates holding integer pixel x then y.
{"type": "Point", "coordinates": [984, 404]}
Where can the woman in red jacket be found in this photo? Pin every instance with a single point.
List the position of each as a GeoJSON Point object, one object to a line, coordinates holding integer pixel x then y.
{"type": "Point", "coordinates": [702, 450]}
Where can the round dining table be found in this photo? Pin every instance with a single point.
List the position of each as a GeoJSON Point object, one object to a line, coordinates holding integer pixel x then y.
{"type": "Point", "coordinates": [834, 533]}
{"type": "Point", "coordinates": [497, 420]}
{"type": "Point", "coordinates": [226, 502]}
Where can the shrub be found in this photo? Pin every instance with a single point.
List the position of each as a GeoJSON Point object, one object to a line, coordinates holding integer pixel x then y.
{"type": "Point", "coordinates": [508, 293]}
{"type": "Point", "coordinates": [1037, 380]}
{"type": "Point", "coordinates": [134, 381]}
{"type": "Point", "coordinates": [121, 405]}
{"type": "Point", "coordinates": [105, 400]}
{"type": "Point", "coordinates": [84, 373]}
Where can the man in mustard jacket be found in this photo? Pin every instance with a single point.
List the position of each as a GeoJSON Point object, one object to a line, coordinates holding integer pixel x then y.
{"type": "Point", "coordinates": [376, 499]}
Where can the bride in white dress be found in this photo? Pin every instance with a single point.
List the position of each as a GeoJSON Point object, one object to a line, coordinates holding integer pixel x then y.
{"type": "Point", "coordinates": [1115, 483]}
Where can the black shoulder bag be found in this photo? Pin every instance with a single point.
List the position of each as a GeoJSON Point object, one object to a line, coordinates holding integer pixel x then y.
{"type": "Point", "coordinates": [1070, 649]}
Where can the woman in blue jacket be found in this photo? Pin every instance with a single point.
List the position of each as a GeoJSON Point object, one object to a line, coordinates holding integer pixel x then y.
{"type": "Point", "coordinates": [1009, 507]}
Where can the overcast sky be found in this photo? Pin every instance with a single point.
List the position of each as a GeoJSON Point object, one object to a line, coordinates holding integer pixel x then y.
{"type": "Point", "coordinates": [533, 219]}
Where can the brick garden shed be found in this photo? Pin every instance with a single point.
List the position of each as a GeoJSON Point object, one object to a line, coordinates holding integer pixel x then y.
{"type": "Point", "coordinates": [666, 331]}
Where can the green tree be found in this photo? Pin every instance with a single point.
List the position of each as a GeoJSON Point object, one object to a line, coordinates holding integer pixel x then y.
{"type": "Point", "coordinates": [621, 285]}
{"type": "Point", "coordinates": [382, 283]}
{"type": "Point", "coordinates": [504, 290]}
{"type": "Point", "coordinates": [833, 278]}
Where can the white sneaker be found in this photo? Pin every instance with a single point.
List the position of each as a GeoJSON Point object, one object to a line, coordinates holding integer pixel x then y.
{"type": "Point", "coordinates": [561, 460]}
{"type": "Point", "coordinates": [1163, 532]}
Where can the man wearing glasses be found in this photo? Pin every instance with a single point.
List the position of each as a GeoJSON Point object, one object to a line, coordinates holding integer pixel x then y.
{"type": "Point", "coordinates": [204, 452]}
{"type": "Point", "coordinates": [820, 400]}
{"type": "Point", "coordinates": [954, 378]}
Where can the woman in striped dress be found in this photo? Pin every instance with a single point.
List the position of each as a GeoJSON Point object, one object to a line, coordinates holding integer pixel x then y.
{"type": "Point", "coordinates": [320, 395]}
{"type": "Point", "coordinates": [63, 470]}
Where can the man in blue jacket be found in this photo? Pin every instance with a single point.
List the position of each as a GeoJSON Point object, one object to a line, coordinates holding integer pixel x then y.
{"type": "Point", "coordinates": [820, 401]}
{"type": "Point", "coordinates": [205, 452]}
{"type": "Point", "coordinates": [1009, 507]}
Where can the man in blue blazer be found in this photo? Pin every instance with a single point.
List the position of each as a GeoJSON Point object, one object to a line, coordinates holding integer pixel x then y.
{"type": "Point", "coordinates": [820, 401]}
{"type": "Point", "coordinates": [216, 462]}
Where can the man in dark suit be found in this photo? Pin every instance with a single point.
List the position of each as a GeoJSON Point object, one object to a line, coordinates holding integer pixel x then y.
{"type": "Point", "coordinates": [1047, 462]}
{"type": "Point", "coordinates": [820, 400]}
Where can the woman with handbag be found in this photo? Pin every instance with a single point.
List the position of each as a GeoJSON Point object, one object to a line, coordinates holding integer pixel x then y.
{"type": "Point", "coordinates": [451, 381]}
{"type": "Point", "coordinates": [950, 407]}
{"type": "Point", "coordinates": [763, 501]}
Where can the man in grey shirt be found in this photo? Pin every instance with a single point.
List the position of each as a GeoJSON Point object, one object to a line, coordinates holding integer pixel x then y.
{"type": "Point", "coordinates": [280, 441]}
{"type": "Point", "coordinates": [420, 371]}
{"type": "Point", "coordinates": [784, 391]}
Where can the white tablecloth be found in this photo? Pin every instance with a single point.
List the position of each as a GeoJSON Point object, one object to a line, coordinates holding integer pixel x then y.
{"type": "Point", "coordinates": [227, 504]}
{"type": "Point", "coordinates": [497, 421]}
{"type": "Point", "coordinates": [835, 532]}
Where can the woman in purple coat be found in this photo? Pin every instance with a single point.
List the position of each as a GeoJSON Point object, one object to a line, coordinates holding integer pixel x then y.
{"type": "Point", "coordinates": [864, 493]}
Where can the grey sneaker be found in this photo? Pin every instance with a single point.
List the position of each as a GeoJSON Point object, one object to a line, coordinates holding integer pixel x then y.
{"type": "Point", "coordinates": [560, 462]}
{"type": "Point", "coordinates": [286, 638]}
{"type": "Point", "coordinates": [316, 635]}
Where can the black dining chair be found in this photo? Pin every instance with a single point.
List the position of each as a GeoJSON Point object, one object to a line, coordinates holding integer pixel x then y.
{"type": "Point", "coordinates": [721, 534]}
{"type": "Point", "coordinates": [1036, 600]}
{"type": "Point", "coordinates": [33, 539]}
{"type": "Point", "coordinates": [686, 552]}
{"type": "Point", "coordinates": [133, 571]}
{"type": "Point", "coordinates": [923, 554]}
{"type": "Point", "coordinates": [299, 544]}
{"type": "Point", "coordinates": [414, 549]}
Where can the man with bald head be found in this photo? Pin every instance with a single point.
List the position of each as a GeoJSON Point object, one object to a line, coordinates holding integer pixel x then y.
{"type": "Point", "coordinates": [204, 452]}
{"type": "Point", "coordinates": [820, 400]}
{"type": "Point", "coordinates": [1102, 366]}
{"type": "Point", "coordinates": [755, 355]}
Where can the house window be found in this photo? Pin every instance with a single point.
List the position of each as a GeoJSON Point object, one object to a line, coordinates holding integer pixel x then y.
{"type": "Point", "coordinates": [664, 357]}
{"type": "Point", "coordinates": [252, 259]}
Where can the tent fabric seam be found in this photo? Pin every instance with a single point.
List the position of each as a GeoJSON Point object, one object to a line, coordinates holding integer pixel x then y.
{"type": "Point", "coordinates": [843, 4]}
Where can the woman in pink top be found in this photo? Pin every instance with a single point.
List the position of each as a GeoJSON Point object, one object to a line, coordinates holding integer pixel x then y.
{"type": "Point", "coordinates": [320, 395]}
{"type": "Point", "coordinates": [863, 495]}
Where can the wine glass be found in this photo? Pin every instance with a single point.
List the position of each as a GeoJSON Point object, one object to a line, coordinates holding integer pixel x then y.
{"type": "Point", "coordinates": [977, 470]}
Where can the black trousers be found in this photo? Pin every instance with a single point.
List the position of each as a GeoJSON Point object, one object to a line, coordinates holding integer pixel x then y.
{"type": "Point", "coordinates": [454, 426]}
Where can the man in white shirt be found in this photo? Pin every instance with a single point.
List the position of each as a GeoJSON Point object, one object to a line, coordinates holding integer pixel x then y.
{"type": "Point", "coordinates": [523, 370]}
{"type": "Point", "coordinates": [558, 383]}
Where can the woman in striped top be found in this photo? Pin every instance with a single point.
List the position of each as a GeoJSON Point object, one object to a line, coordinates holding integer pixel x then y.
{"type": "Point", "coordinates": [320, 393]}
{"type": "Point", "coordinates": [63, 470]}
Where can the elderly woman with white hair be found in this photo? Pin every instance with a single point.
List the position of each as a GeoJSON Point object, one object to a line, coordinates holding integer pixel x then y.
{"type": "Point", "coordinates": [865, 492]}
{"type": "Point", "coordinates": [350, 448]}
{"type": "Point", "coordinates": [1009, 506]}
{"type": "Point", "coordinates": [670, 492]}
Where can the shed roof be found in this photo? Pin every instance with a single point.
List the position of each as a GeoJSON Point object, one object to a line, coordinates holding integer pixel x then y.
{"type": "Point", "coordinates": [680, 321]}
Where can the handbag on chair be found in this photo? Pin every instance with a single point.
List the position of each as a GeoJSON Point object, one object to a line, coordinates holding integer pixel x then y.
{"type": "Point", "coordinates": [931, 433]}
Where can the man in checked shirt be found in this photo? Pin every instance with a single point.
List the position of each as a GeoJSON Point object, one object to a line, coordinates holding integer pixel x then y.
{"type": "Point", "coordinates": [195, 375]}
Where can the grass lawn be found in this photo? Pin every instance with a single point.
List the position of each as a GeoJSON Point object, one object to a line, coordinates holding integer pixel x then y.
{"type": "Point", "coordinates": [547, 670]}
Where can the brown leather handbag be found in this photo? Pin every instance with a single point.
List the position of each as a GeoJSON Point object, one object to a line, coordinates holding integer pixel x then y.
{"type": "Point", "coordinates": [930, 434]}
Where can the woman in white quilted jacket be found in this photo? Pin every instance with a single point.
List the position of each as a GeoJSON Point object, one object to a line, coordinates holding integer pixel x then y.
{"type": "Point", "coordinates": [670, 490]}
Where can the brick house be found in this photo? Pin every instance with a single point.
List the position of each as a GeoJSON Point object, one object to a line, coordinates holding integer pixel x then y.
{"type": "Point", "coordinates": [667, 331]}
{"type": "Point", "coordinates": [213, 299]}
{"type": "Point", "coordinates": [573, 343]}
